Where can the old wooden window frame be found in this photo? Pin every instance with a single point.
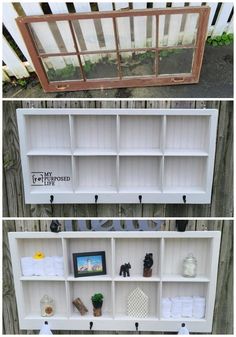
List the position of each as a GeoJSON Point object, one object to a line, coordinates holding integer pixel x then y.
{"type": "Point", "coordinates": [120, 82]}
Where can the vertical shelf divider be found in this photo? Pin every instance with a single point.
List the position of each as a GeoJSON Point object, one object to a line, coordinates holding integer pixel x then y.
{"type": "Point", "coordinates": [163, 145]}
{"type": "Point", "coordinates": [162, 250]}
{"type": "Point", "coordinates": [113, 271]}
{"type": "Point", "coordinates": [66, 274]}
{"type": "Point", "coordinates": [72, 144]}
{"type": "Point", "coordinates": [117, 152]}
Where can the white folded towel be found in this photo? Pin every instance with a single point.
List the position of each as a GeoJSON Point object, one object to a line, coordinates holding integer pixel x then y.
{"type": "Point", "coordinates": [58, 265]}
{"type": "Point", "coordinates": [187, 306]}
{"type": "Point", "coordinates": [166, 307]}
{"type": "Point", "coordinates": [199, 306]}
{"type": "Point", "coordinates": [49, 269]}
{"type": "Point", "coordinates": [27, 266]}
{"type": "Point", "coordinates": [176, 307]}
{"type": "Point", "coordinates": [39, 267]}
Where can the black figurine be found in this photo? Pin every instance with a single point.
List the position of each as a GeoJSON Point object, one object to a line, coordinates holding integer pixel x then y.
{"type": "Point", "coordinates": [55, 226]}
{"type": "Point", "coordinates": [181, 225]}
{"type": "Point", "coordinates": [124, 269]}
{"type": "Point", "coordinates": [147, 265]}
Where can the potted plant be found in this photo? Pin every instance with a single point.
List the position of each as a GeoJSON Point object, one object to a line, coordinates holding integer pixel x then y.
{"type": "Point", "coordinates": [97, 300]}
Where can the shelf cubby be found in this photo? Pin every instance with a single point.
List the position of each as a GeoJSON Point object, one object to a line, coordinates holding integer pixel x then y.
{"type": "Point", "coordinates": [33, 291]}
{"type": "Point", "coordinates": [141, 133]}
{"type": "Point", "coordinates": [56, 177]}
{"type": "Point", "coordinates": [85, 290]}
{"type": "Point", "coordinates": [140, 174]}
{"type": "Point", "coordinates": [122, 291]}
{"type": "Point", "coordinates": [94, 133]}
{"type": "Point", "coordinates": [76, 245]}
{"type": "Point", "coordinates": [185, 174]}
{"type": "Point", "coordinates": [168, 249]}
{"type": "Point", "coordinates": [119, 154]}
{"type": "Point", "coordinates": [187, 133]}
{"type": "Point", "coordinates": [95, 174]}
{"type": "Point", "coordinates": [47, 133]}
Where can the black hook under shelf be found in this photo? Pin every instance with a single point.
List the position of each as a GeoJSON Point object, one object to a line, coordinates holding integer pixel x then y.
{"type": "Point", "coordinates": [51, 198]}
{"type": "Point", "coordinates": [136, 326]}
{"type": "Point", "coordinates": [96, 198]}
{"type": "Point", "coordinates": [90, 325]}
{"type": "Point", "coordinates": [184, 199]}
{"type": "Point", "coordinates": [140, 197]}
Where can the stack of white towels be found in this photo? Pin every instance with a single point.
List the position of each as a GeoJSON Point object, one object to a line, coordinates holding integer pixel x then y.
{"type": "Point", "coordinates": [48, 266]}
{"type": "Point", "coordinates": [183, 306]}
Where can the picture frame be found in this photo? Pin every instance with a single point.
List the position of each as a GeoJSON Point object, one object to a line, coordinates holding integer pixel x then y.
{"type": "Point", "coordinates": [89, 264]}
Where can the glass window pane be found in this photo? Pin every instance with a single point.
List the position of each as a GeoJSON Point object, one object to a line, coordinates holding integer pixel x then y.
{"type": "Point", "coordinates": [175, 61]}
{"type": "Point", "coordinates": [95, 34]}
{"type": "Point", "coordinates": [177, 29]}
{"type": "Point", "coordinates": [136, 32]}
{"type": "Point", "coordinates": [62, 68]}
{"type": "Point", "coordinates": [138, 63]}
{"type": "Point", "coordinates": [52, 37]}
{"type": "Point", "coordinates": [100, 66]}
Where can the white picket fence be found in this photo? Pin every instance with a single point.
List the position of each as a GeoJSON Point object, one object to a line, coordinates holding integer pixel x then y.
{"type": "Point", "coordinates": [15, 67]}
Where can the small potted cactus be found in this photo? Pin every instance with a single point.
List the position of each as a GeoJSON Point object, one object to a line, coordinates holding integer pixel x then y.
{"type": "Point", "coordinates": [97, 300]}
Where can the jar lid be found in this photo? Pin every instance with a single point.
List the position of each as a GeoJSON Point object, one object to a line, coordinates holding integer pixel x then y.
{"type": "Point", "coordinates": [190, 257]}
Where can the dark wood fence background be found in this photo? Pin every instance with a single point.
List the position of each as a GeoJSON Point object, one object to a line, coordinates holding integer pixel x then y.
{"type": "Point", "coordinates": [223, 313]}
{"type": "Point", "coordinates": [222, 193]}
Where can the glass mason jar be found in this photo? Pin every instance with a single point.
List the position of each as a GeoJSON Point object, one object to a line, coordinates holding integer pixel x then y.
{"type": "Point", "coordinates": [190, 266]}
{"type": "Point", "coordinates": [47, 306]}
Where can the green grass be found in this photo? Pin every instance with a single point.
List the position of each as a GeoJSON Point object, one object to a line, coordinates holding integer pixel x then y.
{"type": "Point", "coordinates": [221, 40]}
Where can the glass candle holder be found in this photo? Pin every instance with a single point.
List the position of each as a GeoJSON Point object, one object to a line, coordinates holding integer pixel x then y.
{"type": "Point", "coordinates": [190, 266]}
{"type": "Point", "coordinates": [47, 306]}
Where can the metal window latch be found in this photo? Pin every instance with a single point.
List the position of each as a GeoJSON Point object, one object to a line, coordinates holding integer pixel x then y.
{"type": "Point", "coordinates": [90, 325]}
{"type": "Point", "coordinates": [184, 199]}
{"type": "Point", "coordinates": [96, 198]}
{"type": "Point", "coordinates": [140, 198]}
{"type": "Point", "coordinates": [136, 326]}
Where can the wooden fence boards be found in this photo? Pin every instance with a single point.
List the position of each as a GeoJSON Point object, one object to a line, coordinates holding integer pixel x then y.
{"type": "Point", "coordinates": [223, 313]}
{"type": "Point", "coordinates": [222, 193]}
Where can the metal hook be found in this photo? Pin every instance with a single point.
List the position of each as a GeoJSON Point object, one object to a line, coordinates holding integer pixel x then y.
{"type": "Point", "coordinates": [136, 326]}
{"type": "Point", "coordinates": [90, 325]}
{"type": "Point", "coordinates": [140, 198]}
{"type": "Point", "coordinates": [96, 198]}
{"type": "Point", "coordinates": [51, 198]}
{"type": "Point", "coordinates": [184, 199]}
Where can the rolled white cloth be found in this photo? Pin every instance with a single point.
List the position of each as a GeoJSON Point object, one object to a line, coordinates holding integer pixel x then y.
{"type": "Point", "coordinates": [58, 265]}
{"type": "Point", "coordinates": [27, 266]}
{"type": "Point", "coordinates": [187, 306]}
{"type": "Point", "coordinates": [199, 306]}
{"type": "Point", "coordinates": [166, 307]}
{"type": "Point", "coordinates": [49, 269]}
{"type": "Point", "coordinates": [176, 307]}
{"type": "Point", "coordinates": [39, 267]}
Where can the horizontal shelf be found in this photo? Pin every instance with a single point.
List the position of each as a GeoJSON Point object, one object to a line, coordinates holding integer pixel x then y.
{"type": "Point", "coordinates": [187, 153]}
{"type": "Point", "coordinates": [49, 152]}
{"type": "Point", "coordinates": [94, 152]}
{"type": "Point", "coordinates": [130, 318]}
{"type": "Point", "coordinates": [75, 316]}
{"type": "Point", "coordinates": [89, 278]}
{"type": "Point", "coordinates": [183, 319]}
{"type": "Point", "coordinates": [185, 189]}
{"type": "Point", "coordinates": [42, 278]}
{"type": "Point", "coordinates": [179, 278]}
{"type": "Point", "coordinates": [140, 152]}
{"type": "Point", "coordinates": [40, 318]}
{"type": "Point", "coordinates": [137, 279]}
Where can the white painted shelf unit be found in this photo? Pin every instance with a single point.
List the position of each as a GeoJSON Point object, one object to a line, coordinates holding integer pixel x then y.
{"type": "Point", "coordinates": [118, 155]}
{"type": "Point", "coordinates": [168, 248]}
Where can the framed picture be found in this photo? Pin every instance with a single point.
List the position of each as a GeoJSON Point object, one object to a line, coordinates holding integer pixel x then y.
{"type": "Point", "coordinates": [89, 264]}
